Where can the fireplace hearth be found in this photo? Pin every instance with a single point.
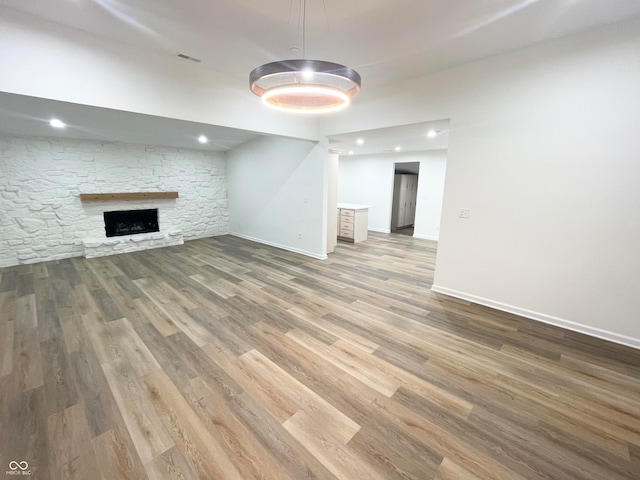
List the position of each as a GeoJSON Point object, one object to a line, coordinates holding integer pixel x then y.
{"type": "Point", "coordinates": [131, 222]}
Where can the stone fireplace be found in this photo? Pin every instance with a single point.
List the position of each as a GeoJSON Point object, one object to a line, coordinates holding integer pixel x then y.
{"type": "Point", "coordinates": [129, 222]}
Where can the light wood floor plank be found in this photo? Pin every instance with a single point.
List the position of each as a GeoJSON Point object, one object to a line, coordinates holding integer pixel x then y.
{"type": "Point", "coordinates": [369, 375]}
{"type": "Point", "coordinates": [6, 348]}
{"type": "Point", "coordinates": [322, 412]}
{"type": "Point", "coordinates": [148, 433]}
{"type": "Point", "coordinates": [196, 443]}
{"type": "Point", "coordinates": [252, 459]}
{"type": "Point", "coordinates": [342, 462]}
{"type": "Point", "coordinates": [71, 453]}
{"type": "Point", "coordinates": [449, 470]}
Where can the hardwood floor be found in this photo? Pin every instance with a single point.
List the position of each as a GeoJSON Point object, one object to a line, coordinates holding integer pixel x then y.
{"type": "Point", "coordinates": [226, 359]}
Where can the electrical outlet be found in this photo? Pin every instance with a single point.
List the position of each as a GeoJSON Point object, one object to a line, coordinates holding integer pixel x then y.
{"type": "Point", "coordinates": [464, 213]}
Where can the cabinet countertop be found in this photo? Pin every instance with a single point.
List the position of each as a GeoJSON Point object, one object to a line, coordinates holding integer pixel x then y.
{"type": "Point", "coordinates": [353, 206]}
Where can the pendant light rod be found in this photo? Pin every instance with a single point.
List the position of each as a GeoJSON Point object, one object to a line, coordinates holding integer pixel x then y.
{"type": "Point", "coordinates": [302, 19]}
{"type": "Point", "coordinates": [304, 28]}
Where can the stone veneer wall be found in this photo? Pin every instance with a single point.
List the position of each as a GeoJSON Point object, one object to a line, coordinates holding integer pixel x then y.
{"type": "Point", "coordinates": [42, 217]}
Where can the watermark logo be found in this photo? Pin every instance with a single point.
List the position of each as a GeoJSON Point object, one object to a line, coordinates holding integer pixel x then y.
{"type": "Point", "coordinates": [18, 468]}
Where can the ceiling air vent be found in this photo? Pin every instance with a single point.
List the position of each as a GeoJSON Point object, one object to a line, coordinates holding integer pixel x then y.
{"type": "Point", "coordinates": [187, 57]}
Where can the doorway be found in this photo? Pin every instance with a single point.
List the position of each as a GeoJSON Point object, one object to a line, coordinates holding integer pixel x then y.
{"type": "Point", "coordinates": [405, 195]}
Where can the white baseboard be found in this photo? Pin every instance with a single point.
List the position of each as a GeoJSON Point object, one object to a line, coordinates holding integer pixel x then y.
{"type": "Point", "coordinates": [387, 230]}
{"type": "Point", "coordinates": [277, 245]}
{"type": "Point", "coordinates": [541, 317]}
{"type": "Point", "coordinates": [425, 237]}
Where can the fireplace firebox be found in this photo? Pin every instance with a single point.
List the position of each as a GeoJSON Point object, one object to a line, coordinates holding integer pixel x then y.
{"type": "Point", "coordinates": [131, 222]}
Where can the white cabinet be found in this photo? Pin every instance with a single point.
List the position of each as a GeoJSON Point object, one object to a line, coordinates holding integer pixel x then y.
{"type": "Point", "coordinates": [352, 223]}
{"type": "Point", "coordinates": [405, 194]}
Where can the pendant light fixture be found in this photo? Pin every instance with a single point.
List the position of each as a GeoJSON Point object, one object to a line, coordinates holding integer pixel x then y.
{"type": "Point", "coordinates": [302, 85]}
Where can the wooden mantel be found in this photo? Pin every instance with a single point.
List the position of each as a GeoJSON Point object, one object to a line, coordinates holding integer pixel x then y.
{"type": "Point", "coordinates": [106, 197]}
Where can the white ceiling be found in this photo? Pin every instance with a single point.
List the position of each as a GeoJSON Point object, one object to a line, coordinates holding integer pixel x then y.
{"type": "Point", "coordinates": [404, 138]}
{"type": "Point", "coordinates": [23, 115]}
{"type": "Point", "coordinates": [385, 40]}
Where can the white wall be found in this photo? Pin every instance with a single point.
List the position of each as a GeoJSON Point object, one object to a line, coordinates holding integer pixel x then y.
{"type": "Point", "coordinates": [368, 180]}
{"type": "Point", "coordinates": [331, 200]}
{"type": "Point", "coordinates": [431, 181]}
{"type": "Point", "coordinates": [42, 217]}
{"type": "Point", "coordinates": [543, 149]}
{"type": "Point", "coordinates": [277, 193]}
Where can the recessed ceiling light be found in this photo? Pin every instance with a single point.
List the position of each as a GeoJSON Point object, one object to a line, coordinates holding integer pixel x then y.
{"type": "Point", "coordinates": [202, 139]}
{"type": "Point", "coordinates": [350, 152]}
{"type": "Point", "coordinates": [360, 141]}
{"type": "Point", "coordinates": [433, 133]}
{"type": "Point", "coordinates": [397, 149]}
{"type": "Point", "coordinates": [55, 123]}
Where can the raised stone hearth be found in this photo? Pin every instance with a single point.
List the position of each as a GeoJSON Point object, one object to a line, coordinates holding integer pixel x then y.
{"type": "Point", "coordinates": [100, 247]}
